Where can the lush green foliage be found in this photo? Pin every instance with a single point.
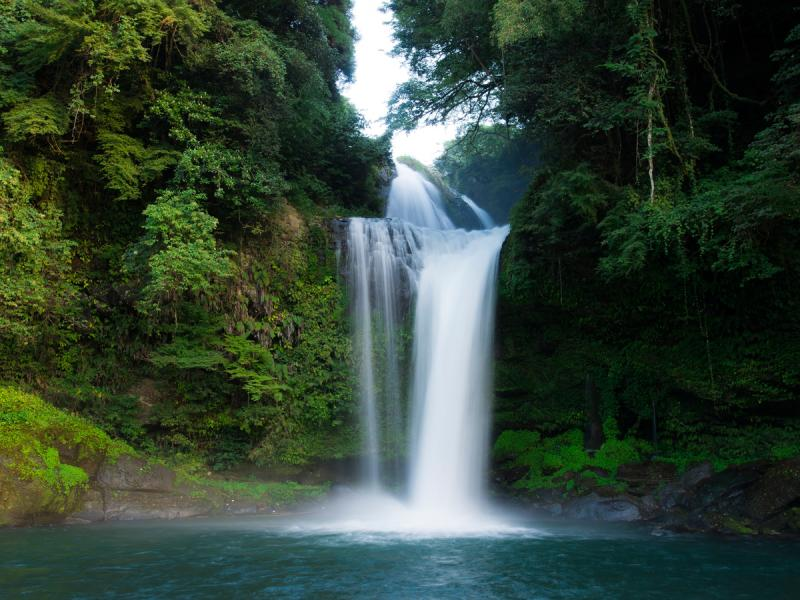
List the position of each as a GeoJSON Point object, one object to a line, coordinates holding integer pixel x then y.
{"type": "Point", "coordinates": [164, 169]}
{"type": "Point", "coordinates": [553, 461]}
{"type": "Point", "coordinates": [656, 250]}
{"type": "Point", "coordinates": [193, 474]}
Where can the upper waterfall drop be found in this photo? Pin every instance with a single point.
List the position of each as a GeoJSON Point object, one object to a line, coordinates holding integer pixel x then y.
{"type": "Point", "coordinates": [415, 200]}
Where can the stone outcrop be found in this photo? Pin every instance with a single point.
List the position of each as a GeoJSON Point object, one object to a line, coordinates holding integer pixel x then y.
{"type": "Point", "coordinates": [126, 489]}
{"type": "Point", "coordinates": [755, 498]}
{"type": "Point", "coordinates": [134, 474]}
{"type": "Point", "coordinates": [597, 508]}
{"type": "Point", "coordinates": [778, 489]}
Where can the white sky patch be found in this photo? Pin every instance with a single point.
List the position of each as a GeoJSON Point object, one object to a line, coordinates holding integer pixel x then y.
{"type": "Point", "coordinates": [377, 75]}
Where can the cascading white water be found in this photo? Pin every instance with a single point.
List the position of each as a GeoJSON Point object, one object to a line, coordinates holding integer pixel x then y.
{"type": "Point", "coordinates": [415, 263]}
{"type": "Point", "coordinates": [415, 200]}
{"type": "Point", "coordinates": [483, 216]}
{"type": "Point", "coordinates": [381, 266]}
{"type": "Point", "coordinates": [452, 344]}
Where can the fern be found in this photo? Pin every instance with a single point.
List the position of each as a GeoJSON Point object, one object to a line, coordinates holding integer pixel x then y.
{"type": "Point", "coordinates": [128, 165]}
{"type": "Point", "coordinates": [43, 116]}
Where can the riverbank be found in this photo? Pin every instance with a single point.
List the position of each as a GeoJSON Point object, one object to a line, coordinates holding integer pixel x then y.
{"type": "Point", "coordinates": [756, 498]}
{"type": "Point", "coordinates": [56, 467]}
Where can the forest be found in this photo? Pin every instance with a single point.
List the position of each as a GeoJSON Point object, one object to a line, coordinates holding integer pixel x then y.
{"type": "Point", "coordinates": [649, 283]}
{"type": "Point", "coordinates": [169, 170]}
{"type": "Point", "coordinates": [168, 167]}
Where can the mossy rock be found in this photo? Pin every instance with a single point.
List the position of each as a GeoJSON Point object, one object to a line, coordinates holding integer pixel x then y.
{"type": "Point", "coordinates": [734, 525]}
{"type": "Point", "coordinates": [48, 495]}
{"type": "Point", "coordinates": [46, 459]}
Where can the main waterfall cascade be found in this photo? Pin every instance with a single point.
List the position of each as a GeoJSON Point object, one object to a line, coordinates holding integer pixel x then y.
{"type": "Point", "coordinates": [416, 264]}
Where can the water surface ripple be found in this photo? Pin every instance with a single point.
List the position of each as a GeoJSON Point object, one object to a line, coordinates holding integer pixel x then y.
{"type": "Point", "coordinates": [279, 558]}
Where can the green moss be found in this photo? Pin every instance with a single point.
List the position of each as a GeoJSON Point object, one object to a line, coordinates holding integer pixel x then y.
{"type": "Point", "coordinates": [512, 443]}
{"type": "Point", "coordinates": [24, 415]}
{"type": "Point", "coordinates": [34, 435]}
{"type": "Point", "coordinates": [737, 527]}
{"type": "Point", "coordinates": [273, 493]}
{"type": "Point", "coordinates": [194, 476]}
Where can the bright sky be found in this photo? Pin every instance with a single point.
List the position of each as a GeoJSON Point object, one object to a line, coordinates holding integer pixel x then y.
{"type": "Point", "coordinates": [377, 75]}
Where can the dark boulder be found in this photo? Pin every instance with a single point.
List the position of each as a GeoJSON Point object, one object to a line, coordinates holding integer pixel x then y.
{"type": "Point", "coordinates": [776, 490]}
{"type": "Point", "coordinates": [696, 475]}
{"type": "Point", "coordinates": [725, 491]}
{"type": "Point", "coordinates": [641, 478]}
{"type": "Point", "coordinates": [682, 493]}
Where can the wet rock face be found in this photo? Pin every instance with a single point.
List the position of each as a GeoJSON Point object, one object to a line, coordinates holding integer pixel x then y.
{"type": "Point", "coordinates": [138, 506]}
{"type": "Point", "coordinates": [131, 489]}
{"type": "Point", "coordinates": [34, 503]}
{"type": "Point", "coordinates": [643, 477]}
{"type": "Point", "coordinates": [697, 475]}
{"type": "Point", "coordinates": [596, 508]}
{"type": "Point", "coordinates": [749, 499]}
{"type": "Point", "coordinates": [133, 474]}
{"type": "Point", "coordinates": [93, 509]}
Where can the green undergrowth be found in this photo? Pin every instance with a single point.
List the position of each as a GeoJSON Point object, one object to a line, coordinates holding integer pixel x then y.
{"type": "Point", "coordinates": [554, 461]}
{"type": "Point", "coordinates": [193, 475]}
{"type": "Point", "coordinates": [279, 494]}
{"type": "Point", "coordinates": [560, 461]}
{"type": "Point", "coordinates": [727, 446]}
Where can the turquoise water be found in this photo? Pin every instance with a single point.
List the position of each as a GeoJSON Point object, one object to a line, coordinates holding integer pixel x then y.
{"type": "Point", "coordinates": [276, 558]}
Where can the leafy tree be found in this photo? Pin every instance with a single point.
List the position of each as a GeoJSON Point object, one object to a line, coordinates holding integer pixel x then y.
{"type": "Point", "coordinates": [180, 253]}
{"type": "Point", "coordinates": [36, 291]}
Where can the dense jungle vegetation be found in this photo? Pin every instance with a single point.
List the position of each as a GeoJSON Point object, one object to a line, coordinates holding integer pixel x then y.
{"type": "Point", "coordinates": [650, 283]}
{"type": "Point", "coordinates": [167, 168]}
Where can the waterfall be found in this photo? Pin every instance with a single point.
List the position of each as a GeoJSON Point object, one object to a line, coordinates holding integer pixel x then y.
{"type": "Point", "coordinates": [381, 267]}
{"type": "Point", "coordinates": [415, 200]}
{"type": "Point", "coordinates": [453, 333]}
{"type": "Point", "coordinates": [415, 268]}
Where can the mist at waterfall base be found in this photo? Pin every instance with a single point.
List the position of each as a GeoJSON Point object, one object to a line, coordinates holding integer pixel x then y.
{"type": "Point", "coordinates": [427, 439]}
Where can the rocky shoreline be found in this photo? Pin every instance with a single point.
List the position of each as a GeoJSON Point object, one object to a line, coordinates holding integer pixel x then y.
{"type": "Point", "coordinates": [758, 498]}
{"type": "Point", "coordinates": [133, 489]}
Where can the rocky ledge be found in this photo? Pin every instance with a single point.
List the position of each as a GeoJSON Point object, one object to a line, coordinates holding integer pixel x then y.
{"type": "Point", "coordinates": [755, 498]}
{"type": "Point", "coordinates": [58, 467]}
{"type": "Point", "coordinates": [131, 488]}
